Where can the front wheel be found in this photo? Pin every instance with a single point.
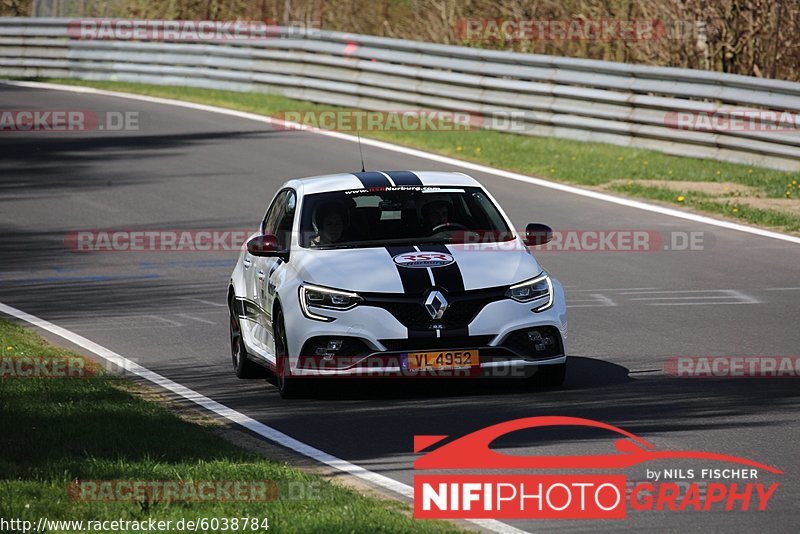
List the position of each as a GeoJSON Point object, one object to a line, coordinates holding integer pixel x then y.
{"type": "Point", "coordinates": [288, 387]}
{"type": "Point", "coordinates": [243, 366]}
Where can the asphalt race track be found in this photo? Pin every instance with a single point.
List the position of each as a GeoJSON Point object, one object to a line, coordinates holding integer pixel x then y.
{"type": "Point", "coordinates": [629, 311]}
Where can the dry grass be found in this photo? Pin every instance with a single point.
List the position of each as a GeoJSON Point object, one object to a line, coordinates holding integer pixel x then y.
{"type": "Point", "coordinates": [727, 196]}
{"type": "Point", "coordinates": [782, 205]}
{"type": "Point", "coordinates": [716, 189]}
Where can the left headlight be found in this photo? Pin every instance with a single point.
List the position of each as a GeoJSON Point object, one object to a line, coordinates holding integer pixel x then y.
{"type": "Point", "coordinates": [538, 288]}
{"type": "Point", "coordinates": [312, 296]}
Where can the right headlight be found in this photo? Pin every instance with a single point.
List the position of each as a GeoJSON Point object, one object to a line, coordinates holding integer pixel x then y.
{"type": "Point", "coordinates": [312, 296]}
{"type": "Point", "coordinates": [535, 289]}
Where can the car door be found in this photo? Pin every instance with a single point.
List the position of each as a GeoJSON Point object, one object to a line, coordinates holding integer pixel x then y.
{"type": "Point", "coordinates": [254, 284]}
{"type": "Point", "coordinates": [278, 223]}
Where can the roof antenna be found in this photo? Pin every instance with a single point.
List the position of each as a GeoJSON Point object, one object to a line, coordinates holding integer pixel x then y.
{"type": "Point", "coordinates": [360, 152]}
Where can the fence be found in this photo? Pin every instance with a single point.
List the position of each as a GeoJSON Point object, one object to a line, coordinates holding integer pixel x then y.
{"type": "Point", "coordinates": [587, 100]}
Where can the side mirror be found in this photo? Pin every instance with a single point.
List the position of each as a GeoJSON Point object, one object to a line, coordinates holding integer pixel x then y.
{"type": "Point", "coordinates": [264, 245]}
{"type": "Point", "coordinates": [537, 234]}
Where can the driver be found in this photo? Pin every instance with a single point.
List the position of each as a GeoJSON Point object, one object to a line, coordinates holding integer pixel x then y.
{"type": "Point", "coordinates": [436, 213]}
{"type": "Point", "coordinates": [330, 220]}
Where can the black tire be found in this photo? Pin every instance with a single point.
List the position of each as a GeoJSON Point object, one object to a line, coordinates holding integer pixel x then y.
{"type": "Point", "coordinates": [551, 376]}
{"type": "Point", "coordinates": [288, 387]}
{"type": "Point", "coordinates": [243, 366]}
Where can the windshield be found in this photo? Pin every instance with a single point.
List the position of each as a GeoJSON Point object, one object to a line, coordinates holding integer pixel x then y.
{"type": "Point", "coordinates": [400, 215]}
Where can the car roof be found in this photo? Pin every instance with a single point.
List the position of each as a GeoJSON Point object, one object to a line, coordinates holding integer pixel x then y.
{"type": "Point", "coordinates": [345, 181]}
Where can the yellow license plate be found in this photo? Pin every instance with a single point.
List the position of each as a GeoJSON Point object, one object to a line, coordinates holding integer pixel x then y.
{"type": "Point", "coordinates": [443, 359]}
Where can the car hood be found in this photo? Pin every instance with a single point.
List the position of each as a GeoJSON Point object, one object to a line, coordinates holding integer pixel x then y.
{"type": "Point", "coordinates": [375, 269]}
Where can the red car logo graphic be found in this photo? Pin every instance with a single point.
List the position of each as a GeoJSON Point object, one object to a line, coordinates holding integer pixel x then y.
{"type": "Point", "coordinates": [472, 451]}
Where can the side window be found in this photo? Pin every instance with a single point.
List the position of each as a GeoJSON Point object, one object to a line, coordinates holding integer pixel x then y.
{"type": "Point", "coordinates": [270, 224]}
{"type": "Point", "coordinates": [280, 216]}
{"type": "Point", "coordinates": [284, 229]}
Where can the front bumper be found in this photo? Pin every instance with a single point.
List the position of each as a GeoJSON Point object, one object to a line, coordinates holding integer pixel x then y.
{"type": "Point", "coordinates": [516, 356]}
{"type": "Point", "coordinates": [382, 341]}
{"type": "Point", "coordinates": [383, 369]}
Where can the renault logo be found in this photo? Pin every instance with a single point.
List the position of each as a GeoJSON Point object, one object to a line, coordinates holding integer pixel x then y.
{"type": "Point", "coordinates": [436, 305]}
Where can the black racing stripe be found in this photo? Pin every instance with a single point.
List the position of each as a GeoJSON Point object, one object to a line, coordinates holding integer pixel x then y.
{"type": "Point", "coordinates": [372, 179]}
{"type": "Point", "coordinates": [448, 277]}
{"type": "Point", "coordinates": [415, 281]}
{"type": "Point", "coordinates": [404, 178]}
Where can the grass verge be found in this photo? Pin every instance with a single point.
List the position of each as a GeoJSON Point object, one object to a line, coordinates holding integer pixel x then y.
{"type": "Point", "coordinates": [595, 165]}
{"type": "Point", "coordinates": [89, 426]}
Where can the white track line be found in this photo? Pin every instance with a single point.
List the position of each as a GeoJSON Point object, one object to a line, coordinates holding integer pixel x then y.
{"type": "Point", "coordinates": [422, 154]}
{"type": "Point", "coordinates": [236, 417]}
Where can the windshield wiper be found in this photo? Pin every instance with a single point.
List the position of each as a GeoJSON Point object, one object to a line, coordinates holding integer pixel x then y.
{"type": "Point", "coordinates": [439, 241]}
{"type": "Point", "coordinates": [353, 244]}
{"type": "Point", "coordinates": [381, 243]}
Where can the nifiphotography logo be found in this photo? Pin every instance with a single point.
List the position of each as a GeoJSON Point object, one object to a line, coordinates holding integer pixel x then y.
{"type": "Point", "coordinates": [735, 486]}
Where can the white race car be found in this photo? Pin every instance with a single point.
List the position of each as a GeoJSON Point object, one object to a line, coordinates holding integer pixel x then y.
{"type": "Point", "coordinates": [399, 274]}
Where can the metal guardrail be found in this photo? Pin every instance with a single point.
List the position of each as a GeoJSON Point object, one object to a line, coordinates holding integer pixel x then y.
{"type": "Point", "coordinates": [587, 100]}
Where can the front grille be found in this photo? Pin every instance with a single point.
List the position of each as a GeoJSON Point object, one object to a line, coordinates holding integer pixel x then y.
{"type": "Point", "coordinates": [434, 343]}
{"type": "Point", "coordinates": [414, 316]}
{"type": "Point", "coordinates": [411, 312]}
